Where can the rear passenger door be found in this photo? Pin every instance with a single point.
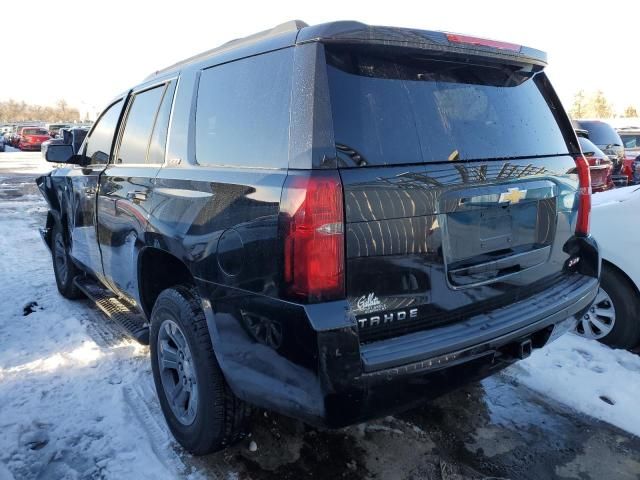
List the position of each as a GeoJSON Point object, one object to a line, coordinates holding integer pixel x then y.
{"type": "Point", "coordinates": [125, 185]}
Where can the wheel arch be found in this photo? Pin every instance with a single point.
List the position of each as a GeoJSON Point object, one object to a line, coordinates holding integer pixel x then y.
{"type": "Point", "coordinates": [158, 270]}
{"type": "Point", "coordinates": [612, 266]}
{"type": "Point", "coordinates": [55, 217]}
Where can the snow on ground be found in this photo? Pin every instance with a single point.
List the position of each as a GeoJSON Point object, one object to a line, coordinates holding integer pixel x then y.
{"type": "Point", "coordinates": [587, 376]}
{"type": "Point", "coordinates": [14, 160]}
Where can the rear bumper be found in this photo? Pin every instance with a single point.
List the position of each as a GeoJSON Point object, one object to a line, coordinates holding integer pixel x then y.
{"type": "Point", "coordinates": [403, 372]}
{"type": "Point", "coordinates": [435, 348]}
{"type": "Point", "coordinates": [318, 370]}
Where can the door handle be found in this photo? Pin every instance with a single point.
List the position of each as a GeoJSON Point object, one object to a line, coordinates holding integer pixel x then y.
{"type": "Point", "coordinates": [139, 195]}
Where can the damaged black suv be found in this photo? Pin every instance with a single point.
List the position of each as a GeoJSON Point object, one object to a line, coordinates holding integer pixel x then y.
{"type": "Point", "coordinates": [334, 222]}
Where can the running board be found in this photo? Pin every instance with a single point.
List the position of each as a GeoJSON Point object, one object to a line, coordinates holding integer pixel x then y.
{"type": "Point", "coordinates": [117, 309]}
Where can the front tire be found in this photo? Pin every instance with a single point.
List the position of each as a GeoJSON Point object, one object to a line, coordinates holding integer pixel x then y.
{"type": "Point", "coordinates": [201, 410]}
{"type": "Point", "coordinates": [613, 317]}
{"type": "Point", "coordinates": [63, 267]}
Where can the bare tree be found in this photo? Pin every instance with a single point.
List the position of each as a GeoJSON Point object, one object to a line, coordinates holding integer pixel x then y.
{"type": "Point", "coordinates": [602, 108]}
{"type": "Point", "coordinates": [593, 105]}
{"type": "Point", "coordinates": [62, 107]}
{"type": "Point", "coordinates": [13, 111]}
{"type": "Point", "coordinates": [630, 112]}
{"type": "Point", "coordinates": [579, 107]}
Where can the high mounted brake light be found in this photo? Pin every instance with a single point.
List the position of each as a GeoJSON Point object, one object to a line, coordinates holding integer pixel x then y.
{"type": "Point", "coordinates": [584, 196]}
{"type": "Point", "coordinates": [483, 42]}
{"type": "Point", "coordinates": [312, 226]}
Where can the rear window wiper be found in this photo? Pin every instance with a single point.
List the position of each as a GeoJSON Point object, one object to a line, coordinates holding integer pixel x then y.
{"type": "Point", "coordinates": [352, 154]}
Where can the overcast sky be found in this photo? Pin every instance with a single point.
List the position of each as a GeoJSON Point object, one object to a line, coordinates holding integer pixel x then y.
{"type": "Point", "coordinates": [87, 52]}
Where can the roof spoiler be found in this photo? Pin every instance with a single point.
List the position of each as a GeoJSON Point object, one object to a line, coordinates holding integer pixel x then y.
{"type": "Point", "coordinates": [350, 31]}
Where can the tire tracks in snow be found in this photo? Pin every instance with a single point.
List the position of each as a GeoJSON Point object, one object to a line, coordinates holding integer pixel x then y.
{"type": "Point", "coordinates": [158, 434]}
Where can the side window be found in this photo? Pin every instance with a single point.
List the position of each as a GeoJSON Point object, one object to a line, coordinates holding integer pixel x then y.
{"type": "Point", "coordinates": [139, 123]}
{"type": "Point", "coordinates": [159, 135]}
{"type": "Point", "coordinates": [99, 143]}
{"type": "Point", "coordinates": [242, 112]}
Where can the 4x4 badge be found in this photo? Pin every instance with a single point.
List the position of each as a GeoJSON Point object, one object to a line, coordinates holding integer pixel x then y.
{"type": "Point", "coordinates": [512, 195]}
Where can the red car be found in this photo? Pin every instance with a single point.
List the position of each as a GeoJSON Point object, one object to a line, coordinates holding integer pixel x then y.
{"type": "Point", "coordinates": [600, 166]}
{"type": "Point", "coordinates": [31, 138]}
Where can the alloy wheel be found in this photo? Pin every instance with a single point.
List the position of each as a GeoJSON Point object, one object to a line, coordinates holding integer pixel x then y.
{"type": "Point", "coordinates": [600, 319]}
{"type": "Point", "coordinates": [177, 371]}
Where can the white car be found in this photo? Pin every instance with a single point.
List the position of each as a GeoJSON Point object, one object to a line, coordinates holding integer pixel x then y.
{"type": "Point", "coordinates": [614, 318]}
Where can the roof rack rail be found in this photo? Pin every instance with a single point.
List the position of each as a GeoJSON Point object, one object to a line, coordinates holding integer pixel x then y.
{"type": "Point", "coordinates": [286, 27]}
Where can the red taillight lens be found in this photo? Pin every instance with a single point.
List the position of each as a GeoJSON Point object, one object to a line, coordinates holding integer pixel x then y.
{"type": "Point", "coordinates": [584, 196]}
{"type": "Point", "coordinates": [312, 226]}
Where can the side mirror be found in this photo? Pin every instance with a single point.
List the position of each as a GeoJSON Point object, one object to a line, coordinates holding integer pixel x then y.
{"type": "Point", "coordinates": [59, 153]}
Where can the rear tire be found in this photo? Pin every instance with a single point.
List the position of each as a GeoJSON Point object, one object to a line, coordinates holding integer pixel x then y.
{"type": "Point", "coordinates": [201, 410]}
{"type": "Point", "coordinates": [63, 267]}
{"type": "Point", "coordinates": [616, 309]}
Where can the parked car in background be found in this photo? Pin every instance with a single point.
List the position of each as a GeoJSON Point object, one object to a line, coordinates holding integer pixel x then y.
{"type": "Point", "coordinates": [54, 128]}
{"type": "Point", "coordinates": [600, 166]}
{"type": "Point", "coordinates": [67, 136]}
{"type": "Point", "coordinates": [631, 141]}
{"type": "Point", "coordinates": [14, 136]}
{"type": "Point", "coordinates": [606, 139]}
{"type": "Point", "coordinates": [6, 128]}
{"type": "Point", "coordinates": [31, 138]}
{"type": "Point", "coordinates": [614, 318]}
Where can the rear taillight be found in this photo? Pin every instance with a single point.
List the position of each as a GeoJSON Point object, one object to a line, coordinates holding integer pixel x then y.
{"type": "Point", "coordinates": [584, 196]}
{"type": "Point", "coordinates": [312, 227]}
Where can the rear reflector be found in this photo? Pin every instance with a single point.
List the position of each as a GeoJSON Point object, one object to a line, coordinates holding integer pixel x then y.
{"type": "Point", "coordinates": [584, 195]}
{"type": "Point", "coordinates": [312, 227]}
{"type": "Point", "coordinates": [483, 42]}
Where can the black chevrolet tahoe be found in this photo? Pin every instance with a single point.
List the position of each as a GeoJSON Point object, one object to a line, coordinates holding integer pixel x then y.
{"type": "Point", "coordinates": [333, 222]}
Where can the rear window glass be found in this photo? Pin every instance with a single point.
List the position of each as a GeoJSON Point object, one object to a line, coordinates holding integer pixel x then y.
{"type": "Point", "coordinates": [34, 131]}
{"type": "Point", "coordinates": [600, 133]}
{"type": "Point", "coordinates": [588, 147]}
{"type": "Point", "coordinates": [406, 109]}
{"type": "Point", "coordinates": [630, 140]}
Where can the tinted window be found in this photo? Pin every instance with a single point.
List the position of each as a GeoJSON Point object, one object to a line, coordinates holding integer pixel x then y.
{"type": "Point", "coordinates": [159, 135]}
{"type": "Point", "coordinates": [392, 109]}
{"type": "Point", "coordinates": [34, 131]}
{"type": "Point", "coordinates": [242, 115]}
{"type": "Point", "coordinates": [139, 123]}
{"type": "Point", "coordinates": [630, 140]}
{"type": "Point", "coordinates": [587, 147]}
{"type": "Point", "coordinates": [600, 133]}
{"type": "Point", "coordinates": [99, 142]}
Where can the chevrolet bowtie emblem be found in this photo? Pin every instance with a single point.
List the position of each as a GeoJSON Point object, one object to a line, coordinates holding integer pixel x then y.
{"type": "Point", "coordinates": [513, 195]}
